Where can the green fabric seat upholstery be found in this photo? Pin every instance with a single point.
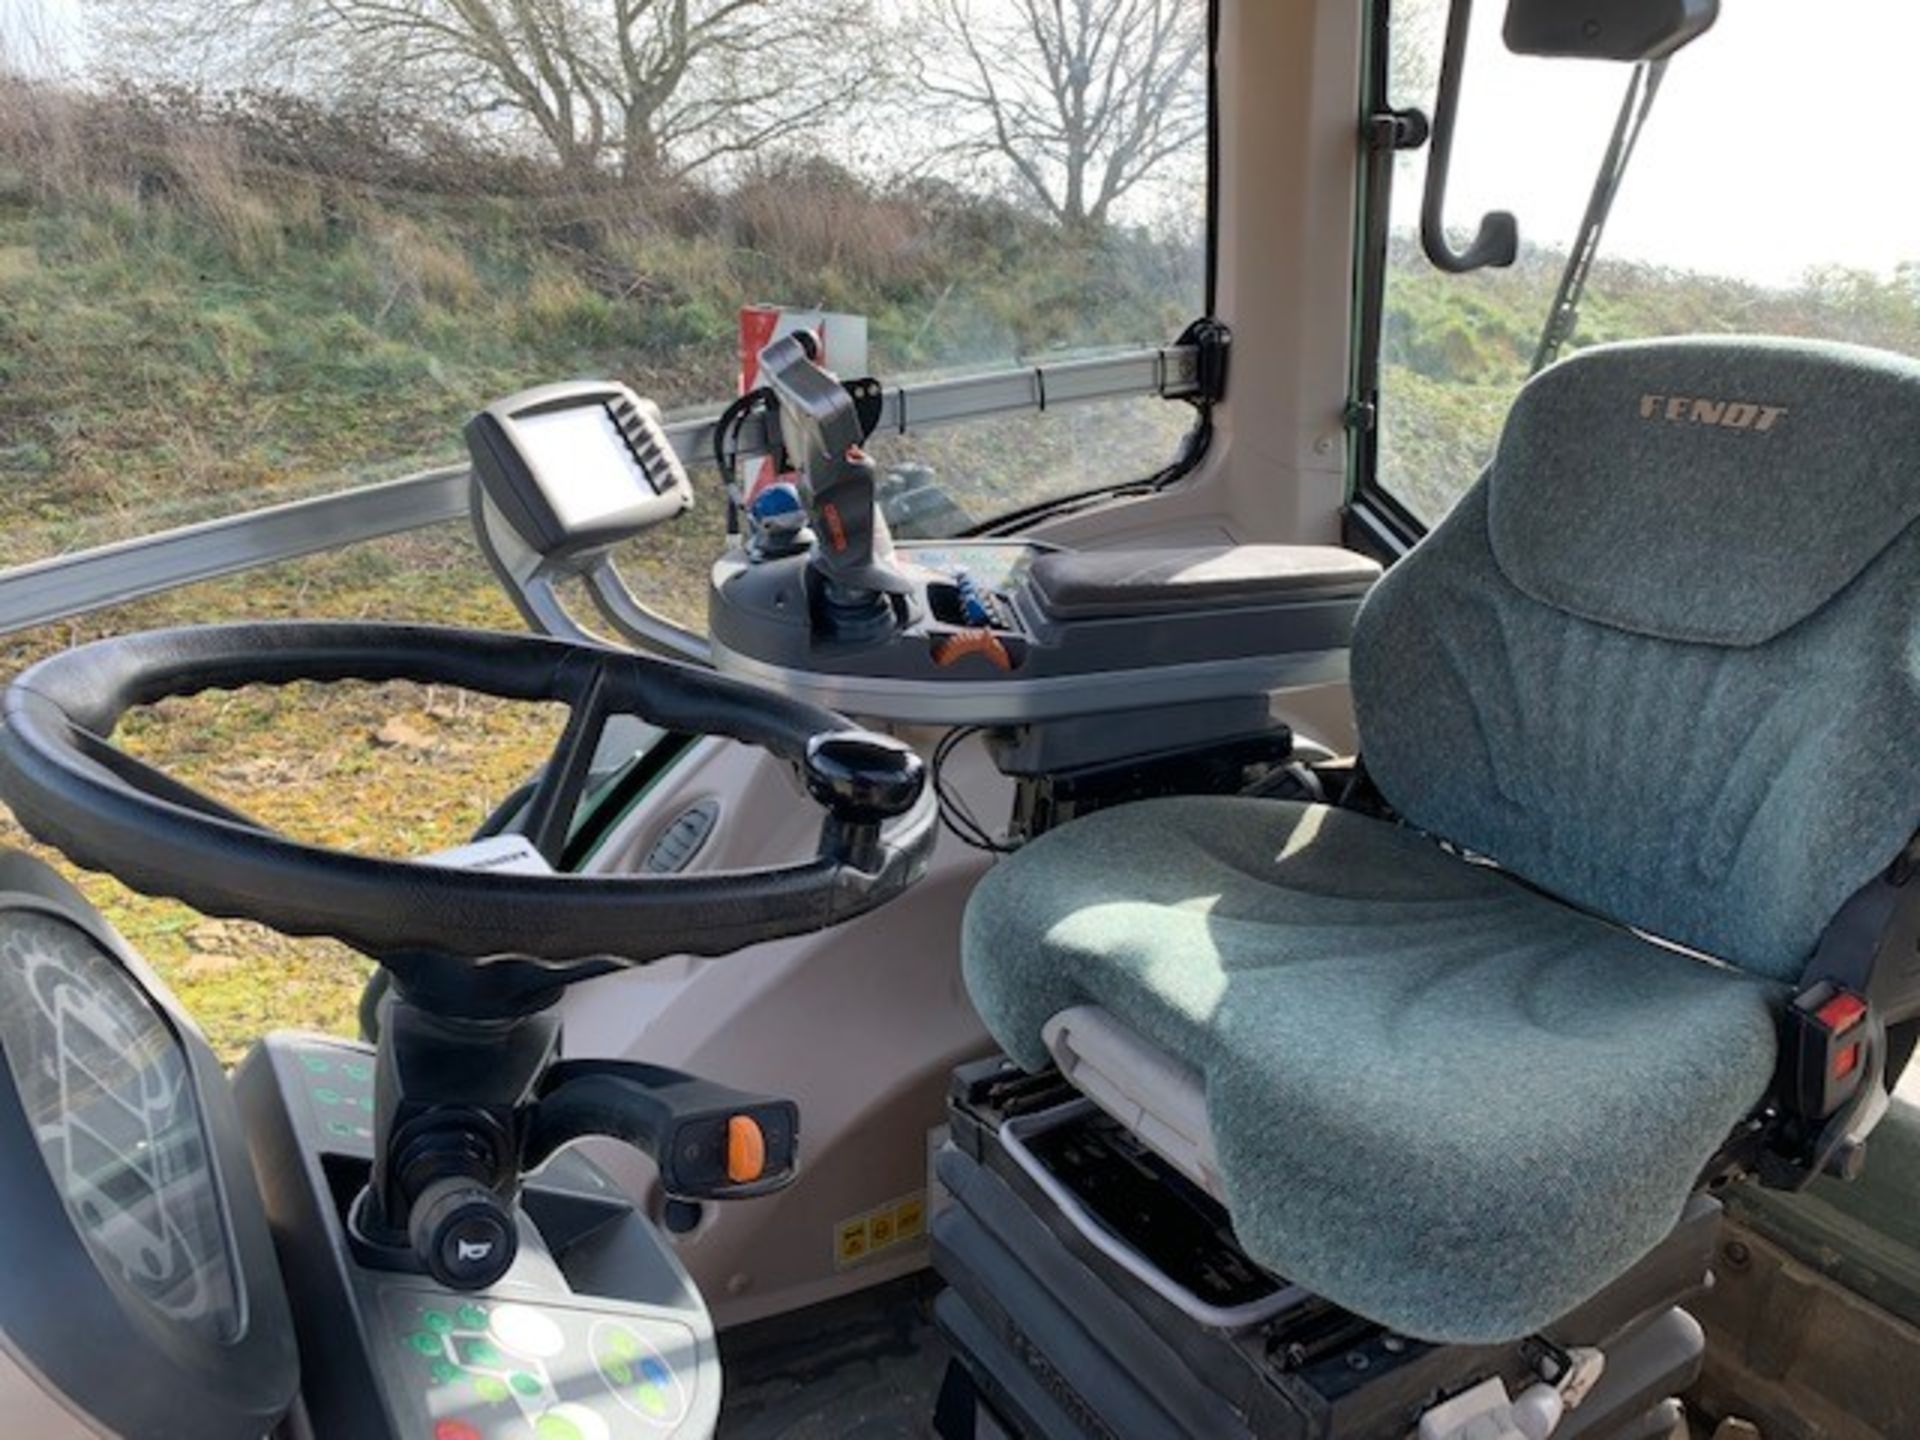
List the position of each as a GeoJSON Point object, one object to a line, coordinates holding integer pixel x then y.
{"type": "Point", "coordinates": [1662, 666]}
{"type": "Point", "coordinates": [1424, 1080]}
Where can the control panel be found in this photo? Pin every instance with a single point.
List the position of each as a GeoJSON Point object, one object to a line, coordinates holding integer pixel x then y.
{"type": "Point", "coordinates": [596, 1333]}
{"type": "Point", "coordinates": [577, 468]}
{"type": "Point", "coordinates": [485, 1369]}
{"type": "Point", "coordinates": [1003, 634]}
{"type": "Point", "coordinates": [1013, 632]}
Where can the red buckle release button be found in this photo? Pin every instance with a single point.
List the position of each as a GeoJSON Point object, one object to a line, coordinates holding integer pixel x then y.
{"type": "Point", "coordinates": [454, 1430]}
{"type": "Point", "coordinates": [1840, 1014]}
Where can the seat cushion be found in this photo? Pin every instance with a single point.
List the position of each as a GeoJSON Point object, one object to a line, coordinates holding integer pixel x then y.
{"type": "Point", "coordinates": [1440, 1098]}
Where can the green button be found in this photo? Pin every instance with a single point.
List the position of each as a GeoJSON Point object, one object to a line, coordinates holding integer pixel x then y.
{"type": "Point", "coordinates": [342, 1127]}
{"type": "Point", "coordinates": [316, 1064]}
{"type": "Point", "coordinates": [620, 1344]}
{"type": "Point", "coordinates": [326, 1094]}
{"type": "Point", "coordinates": [357, 1070]}
{"type": "Point", "coordinates": [439, 1321]}
{"type": "Point", "coordinates": [489, 1389]}
{"type": "Point", "coordinates": [652, 1398]}
{"type": "Point", "coordinates": [556, 1427]}
{"type": "Point", "coordinates": [444, 1372]}
{"type": "Point", "coordinates": [365, 1102]}
{"type": "Point", "coordinates": [472, 1317]}
{"type": "Point", "coordinates": [525, 1383]}
{"type": "Point", "coordinates": [616, 1371]}
{"type": "Point", "coordinates": [478, 1352]}
{"type": "Point", "coordinates": [426, 1344]}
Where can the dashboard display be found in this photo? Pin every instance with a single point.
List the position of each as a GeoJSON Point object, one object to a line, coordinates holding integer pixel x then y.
{"type": "Point", "coordinates": [582, 448]}
{"type": "Point", "coordinates": [106, 1087]}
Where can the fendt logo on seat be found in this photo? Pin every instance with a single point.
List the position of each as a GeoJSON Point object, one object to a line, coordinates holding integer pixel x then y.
{"type": "Point", "coordinates": [1727, 414]}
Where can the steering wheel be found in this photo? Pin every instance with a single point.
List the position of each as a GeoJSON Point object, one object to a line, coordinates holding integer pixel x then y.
{"type": "Point", "coordinates": [460, 941]}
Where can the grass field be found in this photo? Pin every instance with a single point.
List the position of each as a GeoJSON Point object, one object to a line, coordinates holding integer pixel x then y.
{"type": "Point", "coordinates": [393, 769]}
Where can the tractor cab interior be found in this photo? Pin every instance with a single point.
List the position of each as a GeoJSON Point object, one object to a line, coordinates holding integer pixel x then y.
{"type": "Point", "coordinates": [1366, 980]}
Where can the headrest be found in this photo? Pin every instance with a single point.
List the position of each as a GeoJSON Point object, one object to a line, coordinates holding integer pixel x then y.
{"type": "Point", "coordinates": [1710, 490]}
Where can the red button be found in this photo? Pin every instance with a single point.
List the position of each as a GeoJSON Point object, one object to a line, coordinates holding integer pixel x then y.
{"type": "Point", "coordinates": [454, 1430]}
{"type": "Point", "coordinates": [1840, 1014]}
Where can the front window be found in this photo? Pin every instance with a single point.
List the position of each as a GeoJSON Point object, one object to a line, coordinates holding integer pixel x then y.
{"type": "Point", "coordinates": [218, 295]}
{"type": "Point", "coordinates": [304, 243]}
{"type": "Point", "coordinates": [1756, 202]}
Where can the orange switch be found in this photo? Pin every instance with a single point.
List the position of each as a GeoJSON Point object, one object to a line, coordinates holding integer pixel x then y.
{"type": "Point", "coordinates": [746, 1150]}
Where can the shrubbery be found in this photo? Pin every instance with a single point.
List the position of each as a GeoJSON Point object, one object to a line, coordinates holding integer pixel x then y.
{"type": "Point", "coordinates": [210, 293]}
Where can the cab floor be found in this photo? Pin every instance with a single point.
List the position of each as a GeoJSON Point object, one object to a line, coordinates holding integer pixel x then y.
{"type": "Point", "coordinates": [864, 1368]}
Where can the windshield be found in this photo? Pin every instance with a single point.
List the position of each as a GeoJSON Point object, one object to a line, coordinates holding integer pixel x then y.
{"type": "Point", "coordinates": [1760, 199]}
{"type": "Point", "coordinates": [255, 252]}
{"type": "Point", "coordinates": [331, 233]}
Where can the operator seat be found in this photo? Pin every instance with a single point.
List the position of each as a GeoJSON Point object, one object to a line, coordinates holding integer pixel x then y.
{"type": "Point", "coordinates": [1657, 675]}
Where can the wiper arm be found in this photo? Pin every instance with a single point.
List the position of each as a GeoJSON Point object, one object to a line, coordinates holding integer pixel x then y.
{"type": "Point", "coordinates": [1642, 86]}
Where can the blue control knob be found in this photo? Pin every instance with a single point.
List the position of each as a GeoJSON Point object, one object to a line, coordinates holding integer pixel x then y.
{"type": "Point", "coordinates": [973, 605]}
{"type": "Point", "coordinates": [778, 520]}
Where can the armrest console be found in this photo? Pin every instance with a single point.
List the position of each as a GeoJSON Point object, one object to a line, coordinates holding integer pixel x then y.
{"type": "Point", "coordinates": [1071, 585]}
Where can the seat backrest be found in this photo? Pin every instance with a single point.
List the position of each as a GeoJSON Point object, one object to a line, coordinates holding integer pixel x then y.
{"type": "Point", "coordinates": [1663, 660]}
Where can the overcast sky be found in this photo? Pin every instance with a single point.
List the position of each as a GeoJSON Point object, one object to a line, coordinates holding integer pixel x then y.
{"type": "Point", "coordinates": [1781, 141]}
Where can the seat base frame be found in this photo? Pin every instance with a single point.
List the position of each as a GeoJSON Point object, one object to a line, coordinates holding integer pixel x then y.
{"type": "Point", "coordinates": [1056, 1335]}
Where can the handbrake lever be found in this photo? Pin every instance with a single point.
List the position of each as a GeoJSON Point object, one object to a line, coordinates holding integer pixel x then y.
{"type": "Point", "coordinates": [710, 1141]}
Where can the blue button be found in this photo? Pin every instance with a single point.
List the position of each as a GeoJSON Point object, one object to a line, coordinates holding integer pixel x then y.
{"type": "Point", "coordinates": [656, 1372]}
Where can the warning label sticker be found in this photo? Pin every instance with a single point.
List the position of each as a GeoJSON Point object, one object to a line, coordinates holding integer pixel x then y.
{"type": "Point", "coordinates": [883, 1228]}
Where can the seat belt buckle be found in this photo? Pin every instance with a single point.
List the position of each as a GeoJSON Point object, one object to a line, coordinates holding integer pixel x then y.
{"type": "Point", "coordinates": [1825, 1050]}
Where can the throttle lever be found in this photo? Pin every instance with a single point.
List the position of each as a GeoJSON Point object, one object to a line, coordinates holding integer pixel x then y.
{"type": "Point", "coordinates": [710, 1141]}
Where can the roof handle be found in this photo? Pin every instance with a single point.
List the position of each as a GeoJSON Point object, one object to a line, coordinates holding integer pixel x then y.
{"type": "Point", "coordinates": [1497, 242]}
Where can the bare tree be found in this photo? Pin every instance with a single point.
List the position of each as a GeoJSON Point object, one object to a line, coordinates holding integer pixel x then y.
{"type": "Point", "coordinates": [636, 87]}
{"type": "Point", "coordinates": [1080, 100]}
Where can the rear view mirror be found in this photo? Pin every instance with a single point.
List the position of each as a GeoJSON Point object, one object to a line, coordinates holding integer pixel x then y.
{"type": "Point", "coordinates": [1636, 30]}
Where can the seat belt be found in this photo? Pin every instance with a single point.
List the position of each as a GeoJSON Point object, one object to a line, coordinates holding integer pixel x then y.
{"type": "Point", "coordinates": [1849, 1031]}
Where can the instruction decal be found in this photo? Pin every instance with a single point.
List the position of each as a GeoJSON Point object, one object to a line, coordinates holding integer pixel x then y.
{"type": "Point", "coordinates": [881, 1229]}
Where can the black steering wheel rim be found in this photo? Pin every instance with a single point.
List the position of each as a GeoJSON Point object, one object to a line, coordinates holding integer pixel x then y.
{"type": "Point", "coordinates": [427, 922]}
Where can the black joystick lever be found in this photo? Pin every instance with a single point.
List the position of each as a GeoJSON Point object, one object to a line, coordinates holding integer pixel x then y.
{"type": "Point", "coordinates": [820, 428]}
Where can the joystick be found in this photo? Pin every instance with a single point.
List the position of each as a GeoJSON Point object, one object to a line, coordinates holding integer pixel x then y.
{"type": "Point", "coordinates": [857, 590]}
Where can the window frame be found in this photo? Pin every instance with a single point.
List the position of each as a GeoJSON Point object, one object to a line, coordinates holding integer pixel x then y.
{"type": "Point", "coordinates": [1373, 520]}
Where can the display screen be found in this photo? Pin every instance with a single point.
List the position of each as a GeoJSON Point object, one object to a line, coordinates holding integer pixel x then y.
{"type": "Point", "coordinates": [106, 1087]}
{"type": "Point", "coordinates": [581, 460]}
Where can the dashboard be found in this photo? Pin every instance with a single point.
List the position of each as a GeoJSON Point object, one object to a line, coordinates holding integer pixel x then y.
{"type": "Point", "coordinates": [134, 1230]}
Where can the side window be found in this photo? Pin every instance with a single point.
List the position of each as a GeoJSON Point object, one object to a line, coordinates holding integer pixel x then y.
{"type": "Point", "coordinates": [1751, 206]}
